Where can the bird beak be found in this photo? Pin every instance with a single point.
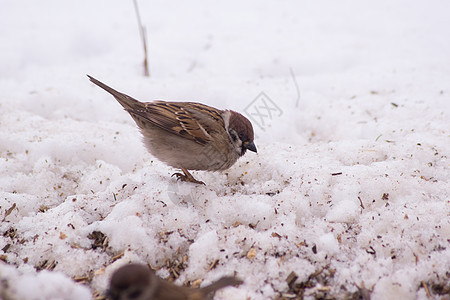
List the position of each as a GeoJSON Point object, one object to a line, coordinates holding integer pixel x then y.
{"type": "Point", "coordinates": [250, 146]}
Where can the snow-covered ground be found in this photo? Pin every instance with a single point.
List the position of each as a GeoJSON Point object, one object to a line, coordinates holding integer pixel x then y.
{"type": "Point", "coordinates": [349, 189]}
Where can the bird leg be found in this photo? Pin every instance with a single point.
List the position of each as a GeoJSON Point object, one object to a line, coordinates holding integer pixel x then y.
{"type": "Point", "coordinates": [187, 177]}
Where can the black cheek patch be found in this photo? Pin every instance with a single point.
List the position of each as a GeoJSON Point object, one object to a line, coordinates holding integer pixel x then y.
{"type": "Point", "coordinates": [233, 136]}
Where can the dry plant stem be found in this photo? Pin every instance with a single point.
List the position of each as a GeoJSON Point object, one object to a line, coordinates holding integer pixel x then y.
{"type": "Point", "coordinates": [426, 289]}
{"type": "Point", "coordinates": [144, 38]}
{"type": "Point", "coordinates": [361, 203]}
{"type": "Point", "coordinates": [296, 87]}
{"type": "Point", "coordinates": [143, 33]}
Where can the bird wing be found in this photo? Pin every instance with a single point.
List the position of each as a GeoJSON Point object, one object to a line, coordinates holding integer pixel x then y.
{"type": "Point", "coordinates": [194, 121]}
{"type": "Point", "coordinates": [190, 120]}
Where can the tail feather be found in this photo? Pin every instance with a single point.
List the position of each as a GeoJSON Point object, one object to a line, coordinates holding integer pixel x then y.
{"type": "Point", "coordinates": [221, 283]}
{"type": "Point", "coordinates": [129, 103]}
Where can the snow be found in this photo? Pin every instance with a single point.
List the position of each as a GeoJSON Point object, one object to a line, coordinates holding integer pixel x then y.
{"type": "Point", "coordinates": [350, 186]}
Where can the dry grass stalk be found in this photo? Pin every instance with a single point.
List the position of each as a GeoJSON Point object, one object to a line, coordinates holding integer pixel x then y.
{"type": "Point", "coordinates": [143, 33]}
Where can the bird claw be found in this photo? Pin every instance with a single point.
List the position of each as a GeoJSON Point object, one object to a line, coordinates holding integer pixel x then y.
{"type": "Point", "coordinates": [187, 177]}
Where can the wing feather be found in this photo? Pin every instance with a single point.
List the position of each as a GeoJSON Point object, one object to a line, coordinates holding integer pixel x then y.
{"type": "Point", "coordinates": [190, 120]}
{"type": "Point", "coordinates": [194, 121]}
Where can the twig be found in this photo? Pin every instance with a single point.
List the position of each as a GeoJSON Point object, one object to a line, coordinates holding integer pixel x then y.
{"type": "Point", "coordinates": [9, 211]}
{"type": "Point", "coordinates": [361, 203]}
{"type": "Point", "coordinates": [213, 265]}
{"type": "Point", "coordinates": [426, 289]}
{"type": "Point", "coordinates": [296, 87]}
{"type": "Point", "coordinates": [143, 33]}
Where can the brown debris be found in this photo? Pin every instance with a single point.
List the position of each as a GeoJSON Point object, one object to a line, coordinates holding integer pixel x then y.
{"type": "Point", "coordinates": [274, 234]}
{"type": "Point", "coordinates": [290, 280]}
{"type": "Point", "coordinates": [213, 265]}
{"type": "Point", "coordinates": [251, 254]}
{"type": "Point", "coordinates": [361, 203]}
{"type": "Point", "coordinates": [82, 279]}
{"type": "Point", "coordinates": [9, 211]}
{"type": "Point", "coordinates": [100, 240]}
{"type": "Point", "coordinates": [176, 265]}
{"type": "Point", "coordinates": [425, 286]}
{"type": "Point", "coordinates": [10, 233]}
{"type": "Point", "coordinates": [46, 265]}
{"type": "Point", "coordinates": [118, 256]}
{"type": "Point", "coordinates": [317, 285]}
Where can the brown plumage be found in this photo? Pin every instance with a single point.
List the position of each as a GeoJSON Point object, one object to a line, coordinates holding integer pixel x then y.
{"type": "Point", "coordinates": [138, 282]}
{"type": "Point", "coordinates": [188, 135]}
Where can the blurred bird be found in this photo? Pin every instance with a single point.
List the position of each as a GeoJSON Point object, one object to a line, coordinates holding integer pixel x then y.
{"type": "Point", "coordinates": [188, 135]}
{"type": "Point", "coordinates": [138, 282]}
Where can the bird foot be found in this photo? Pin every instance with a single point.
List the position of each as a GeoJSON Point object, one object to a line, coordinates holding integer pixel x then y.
{"type": "Point", "coordinates": [187, 177]}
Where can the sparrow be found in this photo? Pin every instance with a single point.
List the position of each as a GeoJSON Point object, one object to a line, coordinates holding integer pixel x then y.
{"type": "Point", "coordinates": [188, 135]}
{"type": "Point", "coordinates": [139, 282]}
